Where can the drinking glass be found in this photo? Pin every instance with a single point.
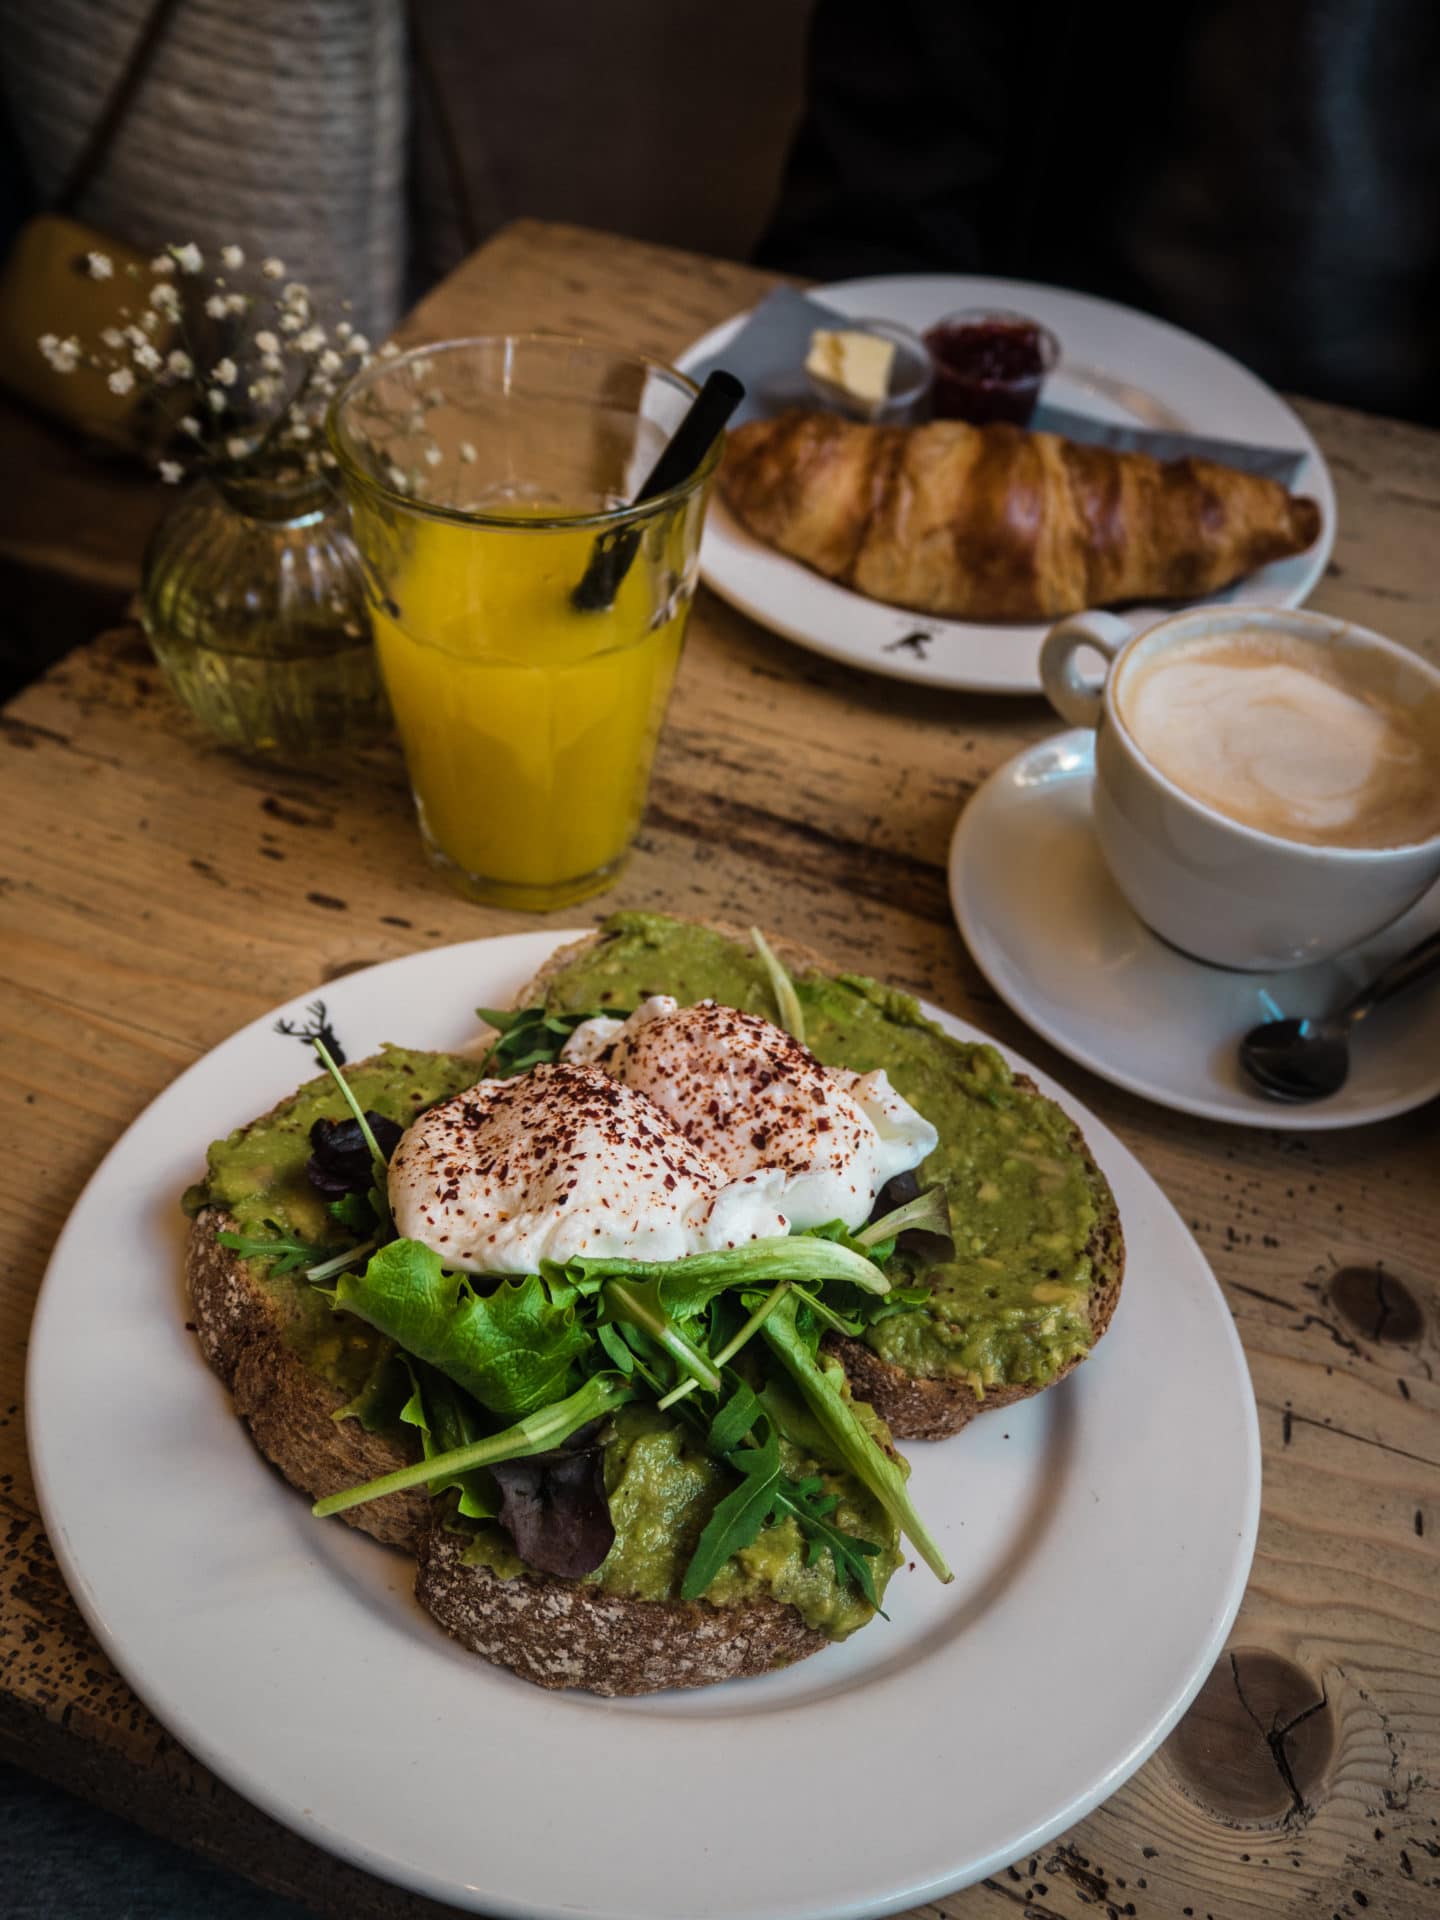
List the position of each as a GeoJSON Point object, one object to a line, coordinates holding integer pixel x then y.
{"type": "Point", "coordinates": [488, 479]}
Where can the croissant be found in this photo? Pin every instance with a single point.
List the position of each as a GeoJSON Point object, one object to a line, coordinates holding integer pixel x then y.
{"type": "Point", "coordinates": [994, 523]}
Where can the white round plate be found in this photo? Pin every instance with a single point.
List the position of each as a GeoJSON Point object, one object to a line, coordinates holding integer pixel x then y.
{"type": "Point", "coordinates": [1060, 944]}
{"type": "Point", "coordinates": [1089, 1601]}
{"type": "Point", "coordinates": [1116, 365]}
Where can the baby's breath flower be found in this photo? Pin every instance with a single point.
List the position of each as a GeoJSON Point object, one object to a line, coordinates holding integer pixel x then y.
{"type": "Point", "coordinates": [272, 268]}
{"type": "Point", "coordinates": [180, 364]}
{"type": "Point", "coordinates": [121, 380]}
{"type": "Point", "coordinates": [295, 294]}
{"type": "Point", "coordinates": [151, 321]}
{"type": "Point", "coordinates": [188, 258]}
{"type": "Point", "coordinates": [147, 358]}
{"type": "Point", "coordinates": [290, 323]}
{"type": "Point", "coordinates": [217, 306]}
{"type": "Point", "coordinates": [419, 368]}
{"type": "Point", "coordinates": [164, 298]}
{"type": "Point", "coordinates": [397, 479]}
{"type": "Point", "coordinates": [237, 302]}
{"type": "Point", "coordinates": [162, 264]}
{"type": "Point", "coordinates": [357, 343]}
{"type": "Point", "coordinates": [344, 329]}
{"type": "Point", "coordinates": [171, 472]}
{"type": "Point", "coordinates": [100, 266]}
{"type": "Point", "coordinates": [113, 338]}
{"type": "Point", "coordinates": [299, 431]}
{"type": "Point", "coordinates": [237, 446]}
{"type": "Point", "coordinates": [266, 341]}
{"type": "Point", "coordinates": [63, 355]}
{"type": "Point", "coordinates": [263, 391]}
{"type": "Point", "coordinates": [232, 257]}
{"type": "Point", "coordinates": [327, 459]}
{"type": "Point", "coordinates": [311, 340]}
{"type": "Point", "coordinates": [467, 451]}
{"type": "Point", "coordinates": [191, 426]}
{"type": "Point", "coordinates": [330, 361]}
{"type": "Point", "coordinates": [361, 345]}
{"type": "Point", "coordinates": [215, 400]}
{"type": "Point", "coordinates": [225, 372]}
{"type": "Point", "coordinates": [271, 363]}
{"type": "Point", "coordinates": [433, 455]}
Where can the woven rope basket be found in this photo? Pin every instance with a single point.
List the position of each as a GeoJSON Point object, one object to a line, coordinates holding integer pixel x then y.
{"type": "Point", "coordinates": [278, 124]}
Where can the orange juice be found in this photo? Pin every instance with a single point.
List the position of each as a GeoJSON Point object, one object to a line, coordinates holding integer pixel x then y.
{"type": "Point", "coordinates": [528, 727]}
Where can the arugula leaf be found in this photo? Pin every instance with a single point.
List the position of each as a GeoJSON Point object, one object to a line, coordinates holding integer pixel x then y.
{"type": "Point", "coordinates": [734, 1420]}
{"type": "Point", "coordinates": [737, 1520]}
{"type": "Point", "coordinates": [447, 1420]}
{"type": "Point", "coordinates": [765, 1493]}
{"type": "Point", "coordinates": [513, 1349]}
{"type": "Point", "coordinates": [787, 1001]}
{"type": "Point", "coordinates": [639, 1304]}
{"type": "Point", "coordinates": [287, 1252]}
{"type": "Point", "coordinates": [822, 1385]}
{"type": "Point", "coordinates": [353, 1210]}
{"type": "Point", "coordinates": [531, 1036]}
{"type": "Point", "coordinates": [536, 1433]}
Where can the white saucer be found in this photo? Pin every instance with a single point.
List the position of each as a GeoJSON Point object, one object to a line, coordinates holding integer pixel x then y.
{"type": "Point", "coordinates": [1053, 935]}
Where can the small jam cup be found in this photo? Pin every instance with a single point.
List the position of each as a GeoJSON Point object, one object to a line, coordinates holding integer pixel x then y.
{"type": "Point", "coordinates": [963, 393]}
{"type": "Point", "coordinates": [911, 376]}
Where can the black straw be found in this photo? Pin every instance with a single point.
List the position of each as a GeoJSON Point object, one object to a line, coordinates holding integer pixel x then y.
{"type": "Point", "coordinates": [611, 557]}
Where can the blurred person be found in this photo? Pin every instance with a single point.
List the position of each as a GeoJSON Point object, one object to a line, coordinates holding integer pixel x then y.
{"type": "Point", "coordinates": [1265, 173]}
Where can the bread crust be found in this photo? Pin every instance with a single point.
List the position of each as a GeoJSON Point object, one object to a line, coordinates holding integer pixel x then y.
{"type": "Point", "coordinates": [913, 1406]}
{"type": "Point", "coordinates": [289, 1409]}
{"type": "Point", "coordinates": [561, 1633]}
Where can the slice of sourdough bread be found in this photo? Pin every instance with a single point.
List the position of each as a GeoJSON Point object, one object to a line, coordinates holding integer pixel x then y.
{"type": "Point", "coordinates": [257, 1329]}
{"type": "Point", "coordinates": [562, 1633]}
{"type": "Point", "coordinates": [915, 1406]}
{"type": "Point", "coordinates": [290, 1409]}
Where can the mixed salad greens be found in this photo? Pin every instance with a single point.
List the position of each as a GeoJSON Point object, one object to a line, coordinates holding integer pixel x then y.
{"type": "Point", "coordinates": [510, 1380]}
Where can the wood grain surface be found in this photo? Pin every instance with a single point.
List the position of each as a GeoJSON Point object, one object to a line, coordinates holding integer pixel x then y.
{"type": "Point", "coordinates": [156, 893]}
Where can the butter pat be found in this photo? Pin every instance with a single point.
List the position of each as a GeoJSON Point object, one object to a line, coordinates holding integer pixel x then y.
{"type": "Point", "coordinates": [857, 363]}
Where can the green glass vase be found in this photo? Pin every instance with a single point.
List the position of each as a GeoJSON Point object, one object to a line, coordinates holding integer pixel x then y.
{"type": "Point", "coordinates": [253, 599]}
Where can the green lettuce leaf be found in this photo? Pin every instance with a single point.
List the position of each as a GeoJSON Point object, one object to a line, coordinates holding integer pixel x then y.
{"type": "Point", "coordinates": [448, 1420]}
{"type": "Point", "coordinates": [514, 1349]}
{"type": "Point", "coordinates": [530, 1036]}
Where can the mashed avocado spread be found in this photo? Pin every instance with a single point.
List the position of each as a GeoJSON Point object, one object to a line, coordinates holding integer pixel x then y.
{"type": "Point", "coordinates": [661, 1487]}
{"type": "Point", "coordinates": [1013, 1305]}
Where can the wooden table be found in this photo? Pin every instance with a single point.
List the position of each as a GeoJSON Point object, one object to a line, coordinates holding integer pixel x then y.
{"type": "Point", "coordinates": [157, 893]}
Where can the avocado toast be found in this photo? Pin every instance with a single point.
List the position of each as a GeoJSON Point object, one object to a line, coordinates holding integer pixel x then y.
{"type": "Point", "coordinates": [1039, 1254]}
{"type": "Point", "coordinates": [600, 1529]}
{"type": "Point", "coordinates": [579, 1533]}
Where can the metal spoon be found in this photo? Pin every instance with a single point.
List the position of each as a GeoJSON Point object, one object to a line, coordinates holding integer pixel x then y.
{"type": "Point", "coordinates": [1308, 1059]}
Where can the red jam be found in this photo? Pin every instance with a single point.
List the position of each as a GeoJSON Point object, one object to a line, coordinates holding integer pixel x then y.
{"type": "Point", "coordinates": [989, 369]}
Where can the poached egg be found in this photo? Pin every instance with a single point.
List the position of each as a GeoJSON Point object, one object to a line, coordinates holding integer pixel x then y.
{"type": "Point", "coordinates": [562, 1161]}
{"type": "Point", "coordinates": [751, 1099]}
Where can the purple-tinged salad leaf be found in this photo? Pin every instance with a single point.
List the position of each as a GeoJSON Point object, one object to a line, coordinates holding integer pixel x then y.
{"type": "Point", "coordinates": [340, 1161]}
{"type": "Point", "coordinates": [554, 1508]}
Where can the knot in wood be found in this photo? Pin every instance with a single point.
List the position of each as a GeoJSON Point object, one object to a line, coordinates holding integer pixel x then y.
{"type": "Point", "coordinates": [1256, 1744]}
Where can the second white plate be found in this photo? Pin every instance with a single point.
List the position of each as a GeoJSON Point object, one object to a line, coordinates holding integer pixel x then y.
{"type": "Point", "coordinates": [1117, 365]}
{"type": "Point", "coordinates": [1096, 1580]}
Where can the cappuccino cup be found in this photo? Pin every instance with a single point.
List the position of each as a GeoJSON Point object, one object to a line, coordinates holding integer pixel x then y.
{"type": "Point", "coordinates": [1267, 783]}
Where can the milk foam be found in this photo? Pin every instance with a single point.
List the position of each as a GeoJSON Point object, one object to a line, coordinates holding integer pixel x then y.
{"type": "Point", "coordinates": [1281, 734]}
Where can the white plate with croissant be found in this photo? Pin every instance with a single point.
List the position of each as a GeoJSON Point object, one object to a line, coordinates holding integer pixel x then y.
{"type": "Point", "coordinates": [942, 554]}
